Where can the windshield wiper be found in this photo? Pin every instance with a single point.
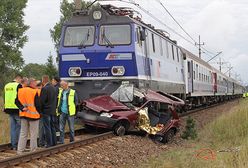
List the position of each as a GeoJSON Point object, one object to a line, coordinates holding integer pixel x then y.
{"type": "Point", "coordinates": [107, 40]}
{"type": "Point", "coordinates": [82, 43]}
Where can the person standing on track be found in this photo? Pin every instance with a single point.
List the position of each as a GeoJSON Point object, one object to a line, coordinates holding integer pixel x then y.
{"type": "Point", "coordinates": [29, 113]}
{"type": "Point", "coordinates": [56, 84]}
{"type": "Point", "coordinates": [48, 111]}
{"type": "Point", "coordinates": [67, 101]}
{"type": "Point", "coordinates": [10, 95]}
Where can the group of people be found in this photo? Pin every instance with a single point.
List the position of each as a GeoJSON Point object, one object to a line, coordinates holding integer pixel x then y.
{"type": "Point", "coordinates": [39, 109]}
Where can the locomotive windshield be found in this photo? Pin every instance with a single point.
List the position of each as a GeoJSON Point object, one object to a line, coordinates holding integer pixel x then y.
{"type": "Point", "coordinates": [115, 35]}
{"type": "Point", "coordinates": [79, 36]}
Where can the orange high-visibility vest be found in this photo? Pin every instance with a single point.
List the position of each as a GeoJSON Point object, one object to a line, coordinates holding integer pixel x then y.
{"type": "Point", "coordinates": [26, 96]}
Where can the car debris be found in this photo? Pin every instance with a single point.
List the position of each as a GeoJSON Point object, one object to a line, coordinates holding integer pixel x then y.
{"type": "Point", "coordinates": [130, 108]}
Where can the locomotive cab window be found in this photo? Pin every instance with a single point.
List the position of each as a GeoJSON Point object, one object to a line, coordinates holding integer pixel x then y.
{"type": "Point", "coordinates": [115, 35]}
{"type": "Point", "coordinates": [79, 36]}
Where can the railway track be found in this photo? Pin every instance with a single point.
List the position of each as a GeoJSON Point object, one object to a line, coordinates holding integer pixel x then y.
{"type": "Point", "coordinates": [5, 147]}
{"type": "Point", "coordinates": [13, 159]}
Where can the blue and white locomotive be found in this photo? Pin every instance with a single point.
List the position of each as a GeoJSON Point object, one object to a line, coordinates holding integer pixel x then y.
{"type": "Point", "coordinates": [106, 46]}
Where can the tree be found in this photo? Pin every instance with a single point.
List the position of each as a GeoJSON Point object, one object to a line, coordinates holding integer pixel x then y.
{"type": "Point", "coordinates": [34, 70]}
{"type": "Point", "coordinates": [13, 37]}
{"type": "Point", "coordinates": [51, 69]}
{"type": "Point", "coordinates": [66, 9]}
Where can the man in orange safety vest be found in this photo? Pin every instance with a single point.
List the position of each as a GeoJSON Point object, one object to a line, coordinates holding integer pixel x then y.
{"type": "Point", "coordinates": [29, 113]}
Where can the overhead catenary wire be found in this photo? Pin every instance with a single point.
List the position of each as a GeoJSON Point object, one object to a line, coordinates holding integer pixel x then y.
{"type": "Point", "coordinates": [175, 20]}
{"type": "Point", "coordinates": [167, 11]}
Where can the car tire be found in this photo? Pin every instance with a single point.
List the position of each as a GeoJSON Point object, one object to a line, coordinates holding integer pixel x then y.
{"type": "Point", "coordinates": [168, 136]}
{"type": "Point", "coordinates": [119, 129]}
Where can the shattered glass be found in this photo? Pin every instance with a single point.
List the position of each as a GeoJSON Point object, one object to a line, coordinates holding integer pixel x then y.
{"type": "Point", "coordinates": [124, 93]}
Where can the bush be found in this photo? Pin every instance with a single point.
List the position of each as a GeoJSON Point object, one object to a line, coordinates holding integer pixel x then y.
{"type": "Point", "coordinates": [190, 131]}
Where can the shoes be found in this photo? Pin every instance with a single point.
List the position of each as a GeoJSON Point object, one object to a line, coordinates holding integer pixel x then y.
{"type": "Point", "coordinates": [14, 148]}
{"type": "Point", "coordinates": [19, 153]}
{"type": "Point", "coordinates": [58, 143]}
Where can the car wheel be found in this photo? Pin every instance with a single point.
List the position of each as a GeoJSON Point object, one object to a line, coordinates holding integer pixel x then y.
{"type": "Point", "coordinates": [119, 129]}
{"type": "Point", "coordinates": [168, 136]}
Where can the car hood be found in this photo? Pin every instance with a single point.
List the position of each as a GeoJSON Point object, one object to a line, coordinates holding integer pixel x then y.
{"type": "Point", "coordinates": [104, 103]}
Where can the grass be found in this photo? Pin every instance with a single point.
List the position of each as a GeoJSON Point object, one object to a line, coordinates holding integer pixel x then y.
{"type": "Point", "coordinates": [226, 139]}
{"type": "Point", "coordinates": [4, 125]}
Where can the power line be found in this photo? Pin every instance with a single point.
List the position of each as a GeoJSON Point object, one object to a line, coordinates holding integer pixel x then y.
{"type": "Point", "coordinates": [155, 18]}
{"type": "Point", "coordinates": [182, 27]}
{"type": "Point", "coordinates": [175, 20]}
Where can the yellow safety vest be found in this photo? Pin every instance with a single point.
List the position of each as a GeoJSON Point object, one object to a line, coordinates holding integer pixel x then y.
{"type": "Point", "coordinates": [71, 102]}
{"type": "Point", "coordinates": [10, 91]}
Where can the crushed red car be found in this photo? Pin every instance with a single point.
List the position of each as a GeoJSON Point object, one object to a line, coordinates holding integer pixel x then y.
{"type": "Point", "coordinates": [130, 108]}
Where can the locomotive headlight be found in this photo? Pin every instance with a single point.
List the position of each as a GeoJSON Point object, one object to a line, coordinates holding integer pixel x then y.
{"type": "Point", "coordinates": [97, 15]}
{"type": "Point", "coordinates": [75, 71]}
{"type": "Point", "coordinates": [118, 70]}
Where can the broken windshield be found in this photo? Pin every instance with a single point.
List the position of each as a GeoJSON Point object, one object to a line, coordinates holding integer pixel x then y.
{"type": "Point", "coordinates": [124, 93]}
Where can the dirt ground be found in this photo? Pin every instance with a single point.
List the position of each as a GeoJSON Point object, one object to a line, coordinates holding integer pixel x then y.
{"type": "Point", "coordinates": [127, 151]}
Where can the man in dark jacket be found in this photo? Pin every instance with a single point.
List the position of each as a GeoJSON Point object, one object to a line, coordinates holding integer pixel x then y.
{"type": "Point", "coordinates": [48, 111]}
{"type": "Point", "coordinates": [56, 84]}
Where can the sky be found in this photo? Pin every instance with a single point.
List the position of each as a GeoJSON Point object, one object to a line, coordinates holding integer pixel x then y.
{"type": "Point", "coordinates": [222, 25]}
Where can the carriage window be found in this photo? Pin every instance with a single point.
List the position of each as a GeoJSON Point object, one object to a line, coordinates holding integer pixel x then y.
{"type": "Point", "coordinates": [161, 46]}
{"type": "Point", "coordinates": [153, 43]}
{"type": "Point", "coordinates": [197, 71]}
{"type": "Point", "coordinates": [177, 55]}
{"type": "Point", "coordinates": [115, 35]}
{"type": "Point", "coordinates": [79, 35]}
{"type": "Point", "coordinates": [138, 36]}
{"type": "Point", "coordinates": [173, 56]}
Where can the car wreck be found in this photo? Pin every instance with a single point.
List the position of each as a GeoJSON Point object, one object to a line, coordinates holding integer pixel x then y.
{"type": "Point", "coordinates": [129, 108]}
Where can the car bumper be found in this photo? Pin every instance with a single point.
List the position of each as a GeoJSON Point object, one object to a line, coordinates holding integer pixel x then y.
{"type": "Point", "coordinates": [97, 121]}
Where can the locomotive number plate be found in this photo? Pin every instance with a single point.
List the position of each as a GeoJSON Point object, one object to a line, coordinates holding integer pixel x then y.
{"type": "Point", "coordinates": [97, 74]}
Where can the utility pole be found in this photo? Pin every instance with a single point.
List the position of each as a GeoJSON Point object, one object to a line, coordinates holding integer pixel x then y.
{"type": "Point", "coordinates": [199, 45]}
{"type": "Point", "coordinates": [229, 70]}
{"type": "Point", "coordinates": [221, 63]}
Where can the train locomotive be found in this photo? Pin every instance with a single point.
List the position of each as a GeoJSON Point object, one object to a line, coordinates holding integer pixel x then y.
{"type": "Point", "coordinates": [106, 46]}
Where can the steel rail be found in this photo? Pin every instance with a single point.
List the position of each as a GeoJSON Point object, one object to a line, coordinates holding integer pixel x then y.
{"type": "Point", "coordinates": [4, 147]}
{"type": "Point", "coordinates": [205, 108]}
{"type": "Point", "coordinates": [52, 150]}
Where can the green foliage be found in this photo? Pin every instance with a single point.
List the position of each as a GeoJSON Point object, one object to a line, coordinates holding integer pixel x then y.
{"type": "Point", "coordinates": [66, 9]}
{"type": "Point", "coordinates": [13, 38]}
{"type": "Point", "coordinates": [50, 69]}
{"type": "Point", "coordinates": [34, 70]}
{"type": "Point", "coordinates": [190, 131]}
